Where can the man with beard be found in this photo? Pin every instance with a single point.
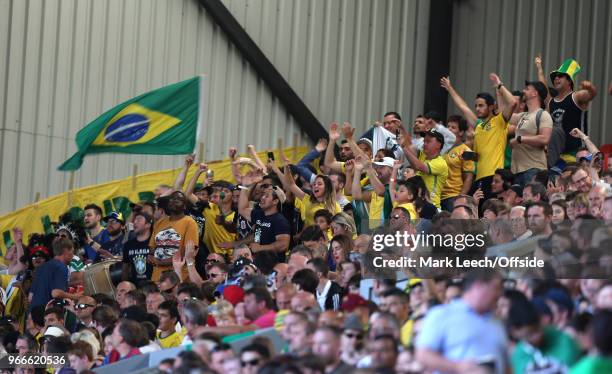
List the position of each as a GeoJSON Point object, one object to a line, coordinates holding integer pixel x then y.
{"type": "Point", "coordinates": [490, 134]}
{"type": "Point", "coordinates": [135, 251]}
{"type": "Point", "coordinates": [326, 346]}
{"type": "Point", "coordinates": [569, 108]}
{"type": "Point", "coordinates": [114, 225]}
{"type": "Point", "coordinates": [538, 215]}
{"type": "Point", "coordinates": [170, 235]}
{"type": "Point", "coordinates": [272, 230]}
{"type": "Point", "coordinates": [97, 235]}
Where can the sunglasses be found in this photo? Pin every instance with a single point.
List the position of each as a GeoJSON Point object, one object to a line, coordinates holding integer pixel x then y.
{"type": "Point", "coordinates": [221, 347]}
{"type": "Point", "coordinates": [83, 306]}
{"type": "Point", "coordinates": [211, 261]}
{"type": "Point", "coordinates": [213, 275]}
{"type": "Point", "coordinates": [254, 362]}
{"type": "Point", "coordinates": [353, 336]}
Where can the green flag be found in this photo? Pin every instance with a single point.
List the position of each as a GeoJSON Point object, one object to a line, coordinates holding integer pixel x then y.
{"type": "Point", "coordinates": [162, 122]}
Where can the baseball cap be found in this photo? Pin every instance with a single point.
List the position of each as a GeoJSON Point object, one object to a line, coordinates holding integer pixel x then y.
{"type": "Point", "coordinates": [162, 202]}
{"type": "Point", "coordinates": [116, 216]}
{"type": "Point", "coordinates": [540, 87]}
{"type": "Point", "coordinates": [439, 137]}
{"type": "Point", "coordinates": [365, 141]}
{"type": "Point", "coordinates": [231, 292]}
{"type": "Point", "coordinates": [386, 161]}
{"type": "Point", "coordinates": [54, 331]}
{"type": "Point", "coordinates": [352, 302]}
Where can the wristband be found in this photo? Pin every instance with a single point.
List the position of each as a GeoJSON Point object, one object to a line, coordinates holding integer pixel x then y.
{"type": "Point", "coordinates": [243, 188]}
{"type": "Point", "coordinates": [499, 86]}
{"type": "Point", "coordinates": [190, 264]}
{"type": "Point", "coordinates": [391, 180]}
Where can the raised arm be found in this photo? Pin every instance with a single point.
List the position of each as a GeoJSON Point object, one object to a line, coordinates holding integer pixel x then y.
{"type": "Point", "coordinates": [541, 75]}
{"type": "Point", "coordinates": [348, 131]}
{"type": "Point", "coordinates": [392, 183]}
{"type": "Point", "coordinates": [587, 92]}
{"type": "Point", "coordinates": [202, 168]}
{"type": "Point", "coordinates": [348, 176]}
{"type": "Point", "coordinates": [180, 178]}
{"type": "Point", "coordinates": [302, 165]}
{"type": "Point", "coordinates": [356, 185]}
{"type": "Point", "coordinates": [330, 158]}
{"type": "Point", "coordinates": [244, 206]}
{"type": "Point", "coordinates": [591, 147]}
{"type": "Point", "coordinates": [379, 188]}
{"type": "Point", "coordinates": [506, 102]}
{"type": "Point", "coordinates": [459, 102]}
{"type": "Point", "coordinates": [253, 154]}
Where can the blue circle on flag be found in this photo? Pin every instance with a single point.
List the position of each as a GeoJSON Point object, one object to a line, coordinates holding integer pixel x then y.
{"type": "Point", "coordinates": [128, 128]}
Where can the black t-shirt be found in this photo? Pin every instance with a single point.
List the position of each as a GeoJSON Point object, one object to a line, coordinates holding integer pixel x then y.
{"type": "Point", "coordinates": [135, 255]}
{"type": "Point", "coordinates": [266, 228]}
{"type": "Point", "coordinates": [114, 246]}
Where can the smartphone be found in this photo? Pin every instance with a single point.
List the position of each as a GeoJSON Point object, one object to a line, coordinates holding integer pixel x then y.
{"type": "Point", "coordinates": [469, 156]}
{"type": "Point", "coordinates": [271, 156]}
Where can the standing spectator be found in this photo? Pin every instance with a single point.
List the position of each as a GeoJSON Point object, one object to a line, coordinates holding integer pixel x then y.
{"type": "Point", "coordinates": [490, 129]}
{"type": "Point", "coordinates": [136, 268]}
{"type": "Point", "coordinates": [396, 302]}
{"type": "Point", "coordinates": [51, 279]}
{"type": "Point", "coordinates": [96, 234]}
{"type": "Point", "coordinates": [271, 228]}
{"type": "Point", "coordinates": [461, 169]}
{"type": "Point", "coordinates": [433, 121]}
{"type": "Point", "coordinates": [448, 341]}
{"type": "Point", "coordinates": [532, 135]}
{"type": "Point", "coordinates": [115, 225]}
{"type": "Point", "coordinates": [429, 164]}
{"type": "Point", "coordinates": [569, 108]}
{"type": "Point", "coordinates": [170, 234]}
{"type": "Point", "coordinates": [326, 346]}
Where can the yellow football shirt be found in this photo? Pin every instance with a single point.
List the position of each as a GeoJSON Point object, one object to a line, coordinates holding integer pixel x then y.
{"type": "Point", "coordinates": [456, 168]}
{"type": "Point", "coordinates": [308, 209]}
{"type": "Point", "coordinates": [173, 340]}
{"type": "Point", "coordinates": [490, 144]}
{"type": "Point", "coordinates": [214, 234]}
{"type": "Point", "coordinates": [435, 178]}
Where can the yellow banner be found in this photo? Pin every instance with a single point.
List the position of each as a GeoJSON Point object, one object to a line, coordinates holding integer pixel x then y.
{"type": "Point", "coordinates": [111, 196]}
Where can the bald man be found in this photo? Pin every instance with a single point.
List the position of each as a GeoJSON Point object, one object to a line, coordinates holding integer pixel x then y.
{"type": "Point", "coordinates": [83, 309]}
{"type": "Point", "coordinates": [303, 301]}
{"type": "Point", "coordinates": [331, 318]}
{"type": "Point", "coordinates": [284, 295]}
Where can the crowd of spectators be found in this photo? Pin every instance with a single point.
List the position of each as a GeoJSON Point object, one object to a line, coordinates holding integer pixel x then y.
{"type": "Point", "coordinates": [287, 249]}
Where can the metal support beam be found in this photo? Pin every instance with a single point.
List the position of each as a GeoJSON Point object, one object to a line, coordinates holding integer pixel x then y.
{"type": "Point", "coordinates": [438, 54]}
{"type": "Point", "coordinates": [305, 119]}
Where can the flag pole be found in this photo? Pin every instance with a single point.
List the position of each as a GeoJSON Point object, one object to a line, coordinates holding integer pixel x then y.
{"type": "Point", "coordinates": [134, 174]}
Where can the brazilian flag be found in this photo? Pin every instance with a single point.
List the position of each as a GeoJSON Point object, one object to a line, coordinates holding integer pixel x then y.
{"type": "Point", "coordinates": [162, 122]}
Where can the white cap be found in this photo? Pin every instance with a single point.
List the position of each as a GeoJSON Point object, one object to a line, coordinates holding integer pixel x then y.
{"type": "Point", "coordinates": [54, 331]}
{"type": "Point", "coordinates": [386, 161]}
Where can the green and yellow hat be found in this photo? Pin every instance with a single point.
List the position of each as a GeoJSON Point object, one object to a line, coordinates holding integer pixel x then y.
{"type": "Point", "coordinates": [569, 67]}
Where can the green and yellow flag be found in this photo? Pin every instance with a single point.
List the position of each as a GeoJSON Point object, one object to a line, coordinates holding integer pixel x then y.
{"type": "Point", "coordinates": [163, 122]}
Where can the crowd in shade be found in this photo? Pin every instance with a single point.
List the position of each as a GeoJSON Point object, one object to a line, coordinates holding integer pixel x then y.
{"type": "Point", "coordinates": [280, 258]}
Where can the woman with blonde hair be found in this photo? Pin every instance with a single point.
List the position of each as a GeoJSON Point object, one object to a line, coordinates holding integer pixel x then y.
{"type": "Point", "coordinates": [343, 224]}
{"type": "Point", "coordinates": [223, 313]}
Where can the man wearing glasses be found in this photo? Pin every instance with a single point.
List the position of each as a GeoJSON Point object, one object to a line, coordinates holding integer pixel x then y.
{"type": "Point", "coordinates": [84, 309]}
{"type": "Point", "coordinates": [253, 357]}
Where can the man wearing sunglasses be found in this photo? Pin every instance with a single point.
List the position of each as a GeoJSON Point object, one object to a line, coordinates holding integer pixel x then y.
{"type": "Point", "coordinates": [84, 309]}
{"type": "Point", "coordinates": [253, 357]}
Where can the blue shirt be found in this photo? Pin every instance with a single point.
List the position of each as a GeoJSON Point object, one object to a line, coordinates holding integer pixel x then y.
{"type": "Point", "coordinates": [102, 237]}
{"type": "Point", "coordinates": [50, 276]}
{"type": "Point", "coordinates": [459, 333]}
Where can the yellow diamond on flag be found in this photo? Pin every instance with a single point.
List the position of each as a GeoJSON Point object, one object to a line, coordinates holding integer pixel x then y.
{"type": "Point", "coordinates": [134, 124]}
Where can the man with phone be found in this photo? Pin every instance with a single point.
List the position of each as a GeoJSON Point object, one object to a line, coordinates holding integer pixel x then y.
{"type": "Point", "coordinates": [460, 160]}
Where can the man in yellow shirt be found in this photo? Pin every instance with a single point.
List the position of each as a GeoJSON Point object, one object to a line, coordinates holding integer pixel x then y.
{"type": "Point", "coordinates": [219, 227]}
{"type": "Point", "coordinates": [429, 164]}
{"type": "Point", "coordinates": [490, 129]}
{"type": "Point", "coordinates": [460, 169]}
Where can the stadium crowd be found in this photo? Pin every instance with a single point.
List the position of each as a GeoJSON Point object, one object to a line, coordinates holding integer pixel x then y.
{"type": "Point", "coordinates": [287, 248]}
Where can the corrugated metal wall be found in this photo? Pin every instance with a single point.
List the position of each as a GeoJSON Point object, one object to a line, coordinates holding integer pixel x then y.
{"type": "Point", "coordinates": [505, 36]}
{"type": "Point", "coordinates": [66, 61]}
